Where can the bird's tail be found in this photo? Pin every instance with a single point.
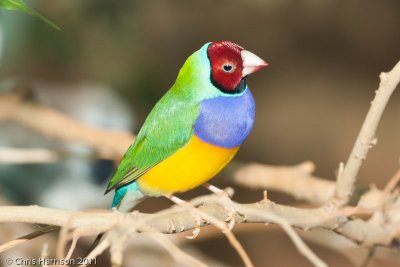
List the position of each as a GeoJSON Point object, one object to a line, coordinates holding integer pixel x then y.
{"type": "Point", "coordinates": [127, 197]}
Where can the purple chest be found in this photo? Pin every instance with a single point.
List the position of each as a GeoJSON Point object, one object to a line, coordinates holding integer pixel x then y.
{"type": "Point", "coordinates": [226, 120]}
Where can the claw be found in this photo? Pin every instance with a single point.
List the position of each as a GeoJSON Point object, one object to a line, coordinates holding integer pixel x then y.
{"type": "Point", "coordinates": [225, 198]}
{"type": "Point", "coordinates": [196, 232]}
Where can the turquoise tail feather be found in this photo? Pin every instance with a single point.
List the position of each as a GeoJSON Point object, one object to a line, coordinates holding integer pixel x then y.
{"type": "Point", "coordinates": [127, 197]}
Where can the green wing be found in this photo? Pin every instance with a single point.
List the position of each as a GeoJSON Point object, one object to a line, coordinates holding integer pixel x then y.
{"type": "Point", "coordinates": [169, 125]}
{"type": "Point", "coordinates": [167, 128]}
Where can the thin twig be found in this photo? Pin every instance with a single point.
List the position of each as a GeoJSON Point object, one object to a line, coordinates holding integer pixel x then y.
{"type": "Point", "coordinates": [366, 137]}
{"type": "Point", "coordinates": [390, 186]}
{"type": "Point", "coordinates": [75, 238]}
{"type": "Point", "coordinates": [25, 238]}
{"type": "Point", "coordinates": [174, 251]}
{"type": "Point", "coordinates": [221, 225]}
{"type": "Point", "coordinates": [299, 243]}
{"type": "Point", "coordinates": [62, 241]}
{"type": "Point", "coordinates": [44, 253]}
{"type": "Point", "coordinates": [31, 155]}
{"type": "Point", "coordinates": [104, 244]}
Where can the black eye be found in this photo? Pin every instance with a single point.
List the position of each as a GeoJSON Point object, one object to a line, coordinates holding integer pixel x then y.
{"type": "Point", "coordinates": [227, 67]}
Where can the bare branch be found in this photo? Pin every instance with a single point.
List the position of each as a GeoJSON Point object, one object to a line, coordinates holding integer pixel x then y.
{"type": "Point", "coordinates": [169, 221]}
{"type": "Point", "coordinates": [374, 221]}
{"type": "Point", "coordinates": [52, 123]}
{"type": "Point", "coordinates": [366, 137]}
{"type": "Point", "coordinates": [32, 155]}
{"type": "Point", "coordinates": [296, 181]}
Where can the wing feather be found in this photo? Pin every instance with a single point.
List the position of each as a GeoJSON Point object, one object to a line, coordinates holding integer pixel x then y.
{"type": "Point", "coordinates": [168, 127]}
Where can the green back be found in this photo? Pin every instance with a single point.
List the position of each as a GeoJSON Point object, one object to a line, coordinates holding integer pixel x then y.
{"type": "Point", "coordinates": [169, 125]}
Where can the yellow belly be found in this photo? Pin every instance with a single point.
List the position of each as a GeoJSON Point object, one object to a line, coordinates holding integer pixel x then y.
{"type": "Point", "coordinates": [192, 165]}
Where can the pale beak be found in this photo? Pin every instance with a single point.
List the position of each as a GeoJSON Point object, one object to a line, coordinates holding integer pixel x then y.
{"type": "Point", "coordinates": [251, 63]}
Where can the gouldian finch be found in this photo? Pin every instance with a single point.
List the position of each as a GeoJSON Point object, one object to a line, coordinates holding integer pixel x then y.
{"type": "Point", "coordinates": [194, 130]}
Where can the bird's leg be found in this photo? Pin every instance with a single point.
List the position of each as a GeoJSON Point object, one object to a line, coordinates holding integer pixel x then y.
{"type": "Point", "coordinates": [217, 191]}
{"type": "Point", "coordinates": [192, 209]}
{"type": "Point", "coordinates": [226, 199]}
{"type": "Point", "coordinates": [177, 200]}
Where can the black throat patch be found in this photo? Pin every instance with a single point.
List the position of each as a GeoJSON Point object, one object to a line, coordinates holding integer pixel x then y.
{"type": "Point", "coordinates": [237, 90]}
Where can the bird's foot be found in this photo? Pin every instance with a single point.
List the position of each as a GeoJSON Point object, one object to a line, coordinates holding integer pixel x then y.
{"type": "Point", "coordinates": [226, 200]}
{"type": "Point", "coordinates": [192, 210]}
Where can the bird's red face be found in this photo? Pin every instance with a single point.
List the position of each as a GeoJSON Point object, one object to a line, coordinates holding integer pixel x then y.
{"type": "Point", "coordinates": [230, 64]}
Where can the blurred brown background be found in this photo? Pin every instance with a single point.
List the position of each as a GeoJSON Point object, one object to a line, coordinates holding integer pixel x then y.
{"type": "Point", "coordinates": [324, 60]}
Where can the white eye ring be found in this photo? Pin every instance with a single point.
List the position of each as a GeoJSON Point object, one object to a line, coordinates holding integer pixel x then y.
{"type": "Point", "coordinates": [227, 67]}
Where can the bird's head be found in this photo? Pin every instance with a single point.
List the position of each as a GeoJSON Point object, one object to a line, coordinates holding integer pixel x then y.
{"type": "Point", "coordinates": [230, 65]}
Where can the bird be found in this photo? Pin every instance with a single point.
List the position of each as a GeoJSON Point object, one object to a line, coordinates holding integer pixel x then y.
{"type": "Point", "coordinates": [194, 130]}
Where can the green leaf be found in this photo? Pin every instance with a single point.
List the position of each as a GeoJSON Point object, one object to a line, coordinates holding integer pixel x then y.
{"type": "Point", "coordinates": [21, 6]}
